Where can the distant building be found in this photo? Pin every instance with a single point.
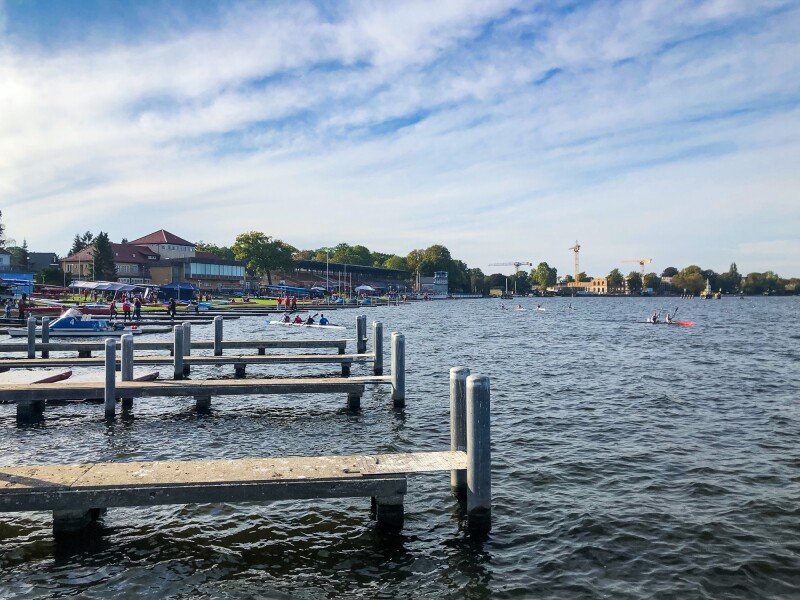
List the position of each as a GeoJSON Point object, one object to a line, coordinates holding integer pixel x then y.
{"type": "Point", "coordinates": [597, 285]}
{"type": "Point", "coordinates": [38, 261]}
{"type": "Point", "coordinates": [436, 285]}
{"type": "Point", "coordinates": [131, 262]}
{"type": "Point", "coordinates": [166, 245]}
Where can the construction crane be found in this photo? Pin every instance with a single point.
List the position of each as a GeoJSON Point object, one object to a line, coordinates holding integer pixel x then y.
{"type": "Point", "coordinates": [577, 250]}
{"type": "Point", "coordinates": [642, 262]}
{"type": "Point", "coordinates": [516, 264]}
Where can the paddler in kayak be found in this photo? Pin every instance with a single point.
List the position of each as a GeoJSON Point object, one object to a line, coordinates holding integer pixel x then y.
{"type": "Point", "coordinates": [668, 319]}
{"type": "Point", "coordinates": [310, 320]}
{"type": "Point", "coordinates": [653, 318]}
{"type": "Point", "coordinates": [286, 318]}
{"type": "Point", "coordinates": [323, 320]}
{"type": "Point", "coordinates": [298, 320]}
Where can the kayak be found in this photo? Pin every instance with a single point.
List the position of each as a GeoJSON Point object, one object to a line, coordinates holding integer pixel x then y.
{"type": "Point", "coordinates": [540, 308]}
{"type": "Point", "coordinates": [684, 323]}
{"type": "Point", "coordinates": [315, 325]}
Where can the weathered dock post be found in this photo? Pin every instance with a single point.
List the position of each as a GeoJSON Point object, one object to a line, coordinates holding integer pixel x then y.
{"type": "Point", "coordinates": [127, 365]}
{"type": "Point", "coordinates": [45, 336]}
{"type": "Point", "coordinates": [31, 337]}
{"type": "Point", "coordinates": [218, 335]}
{"type": "Point", "coordinates": [398, 369]}
{"type": "Point", "coordinates": [377, 348]}
{"type": "Point", "coordinates": [479, 454]}
{"type": "Point", "coordinates": [110, 397]}
{"type": "Point", "coordinates": [177, 352]}
{"type": "Point", "coordinates": [361, 334]}
{"type": "Point", "coordinates": [458, 426]}
{"type": "Point", "coordinates": [187, 345]}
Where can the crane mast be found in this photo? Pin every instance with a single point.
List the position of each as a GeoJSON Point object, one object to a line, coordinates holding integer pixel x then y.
{"type": "Point", "coordinates": [577, 250]}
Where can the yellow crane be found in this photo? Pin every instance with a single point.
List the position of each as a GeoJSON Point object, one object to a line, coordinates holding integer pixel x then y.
{"type": "Point", "coordinates": [577, 250]}
{"type": "Point", "coordinates": [641, 262]}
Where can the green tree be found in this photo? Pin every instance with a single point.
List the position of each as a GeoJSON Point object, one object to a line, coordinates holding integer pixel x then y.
{"type": "Point", "coordinates": [731, 281]}
{"type": "Point", "coordinates": [652, 281]}
{"type": "Point", "coordinates": [545, 275]}
{"type": "Point", "coordinates": [634, 280]}
{"type": "Point", "coordinates": [51, 276]}
{"type": "Point", "coordinates": [80, 242]}
{"type": "Point", "coordinates": [582, 276]}
{"type": "Point", "coordinates": [262, 254]}
{"type": "Point", "coordinates": [20, 258]}
{"type": "Point", "coordinates": [102, 267]}
{"type": "Point", "coordinates": [690, 279]}
{"type": "Point", "coordinates": [669, 272]}
{"type": "Point", "coordinates": [414, 261]}
{"type": "Point", "coordinates": [222, 252]}
{"type": "Point", "coordinates": [615, 280]}
{"type": "Point", "coordinates": [395, 262]}
{"type": "Point", "coordinates": [477, 282]}
{"type": "Point", "coordinates": [568, 278]}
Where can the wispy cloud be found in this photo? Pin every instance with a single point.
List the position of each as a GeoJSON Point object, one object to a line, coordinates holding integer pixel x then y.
{"type": "Point", "coordinates": [505, 130]}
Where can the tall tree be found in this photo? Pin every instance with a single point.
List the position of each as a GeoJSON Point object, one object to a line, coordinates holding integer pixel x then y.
{"type": "Point", "coordinates": [731, 281]}
{"type": "Point", "coordinates": [80, 242]}
{"type": "Point", "coordinates": [615, 280]}
{"type": "Point", "coordinates": [395, 262]}
{"type": "Point", "coordinates": [545, 275]}
{"type": "Point", "coordinates": [669, 272]}
{"type": "Point", "coordinates": [634, 280]}
{"type": "Point", "coordinates": [477, 282]}
{"type": "Point", "coordinates": [690, 279]}
{"type": "Point", "coordinates": [102, 267]}
{"type": "Point", "coordinates": [652, 281]}
{"type": "Point", "coordinates": [263, 254]}
{"type": "Point", "coordinates": [20, 258]}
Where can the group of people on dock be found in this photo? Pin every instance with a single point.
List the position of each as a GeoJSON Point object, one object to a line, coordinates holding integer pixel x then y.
{"type": "Point", "coordinates": [289, 301]}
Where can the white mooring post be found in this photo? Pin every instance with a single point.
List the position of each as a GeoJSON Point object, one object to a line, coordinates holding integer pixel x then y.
{"type": "Point", "coordinates": [377, 348]}
{"type": "Point", "coordinates": [479, 454]}
{"type": "Point", "coordinates": [177, 351]}
{"type": "Point", "coordinates": [218, 335]}
{"type": "Point", "coordinates": [45, 336]}
{"type": "Point", "coordinates": [399, 369]}
{"type": "Point", "coordinates": [31, 337]}
{"type": "Point", "coordinates": [110, 397]}
{"type": "Point", "coordinates": [458, 426]}
{"type": "Point", "coordinates": [127, 365]}
{"type": "Point", "coordinates": [361, 334]}
{"type": "Point", "coordinates": [187, 345]}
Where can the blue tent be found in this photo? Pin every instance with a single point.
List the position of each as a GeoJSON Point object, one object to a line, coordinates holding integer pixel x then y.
{"type": "Point", "coordinates": [180, 290]}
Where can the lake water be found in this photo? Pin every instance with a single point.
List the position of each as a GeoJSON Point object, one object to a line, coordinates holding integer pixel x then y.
{"type": "Point", "coordinates": [629, 461]}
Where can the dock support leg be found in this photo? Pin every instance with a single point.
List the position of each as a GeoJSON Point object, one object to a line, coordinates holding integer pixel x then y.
{"type": "Point", "coordinates": [218, 335]}
{"type": "Point", "coordinates": [377, 348]}
{"type": "Point", "coordinates": [45, 336]}
{"type": "Point", "coordinates": [30, 412]}
{"type": "Point", "coordinates": [479, 455]}
{"type": "Point", "coordinates": [31, 337]}
{"type": "Point", "coordinates": [187, 345]}
{"type": "Point", "coordinates": [127, 366]}
{"type": "Point", "coordinates": [361, 334]}
{"type": "Point", "coordinates": [202, 403]}
{"type": "Point", "coordinates": [353, 401]}
{"type": "Point", "coordinates": [262, 351]}
{"type": "Point", "coordinates": [84, 354]}
{"type": "Point", "coordinates": [109, 396]}
{"type": "Point", "coordinates": [345, 369]}
{"type": "Point", "coordinates": [71, 521]}
{"type": "Point", "coordinates": [458, 427]}
{"type": "Point", "coordinates": [388, 512]}
{"type": "Point", "coordinates": [398, 369]}
{"type": "Point", "coordinates": [177, 352]}
{"type": "Point", "coordinates": [239, 369]}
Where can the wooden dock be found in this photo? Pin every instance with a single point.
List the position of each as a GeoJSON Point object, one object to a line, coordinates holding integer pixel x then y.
{"type": "Point", "coordinates": [77, 494]}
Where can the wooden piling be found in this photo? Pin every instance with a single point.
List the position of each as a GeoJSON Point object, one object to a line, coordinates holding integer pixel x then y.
{"type": "Point", "coordinates": [479, 454]}
{"type": "Point", "coordinates": [45, 336]}
{"type": "Point", "coordinates": [127, 365]}
{"type": "Point", "coordinates": [377, 348]}
{"type": "Point", "coordinates": [361, 334]}
{"type": "Point", "coordinates": [31, 337]}
{"type": "Point", "coordinates": [388, 512]}
{"type": "Point", "coordinates": [218, 335]}
{"type": "Point", "coordinates": [187, 345]}
{"type": "Point", "coordinates": [398, 369]}
{"type": "Point", "coordinates": [458, 426]}
{"type": "Point", "coordinates": [178, 352]}
{"type": "Point", "coordinates": [110, 397]}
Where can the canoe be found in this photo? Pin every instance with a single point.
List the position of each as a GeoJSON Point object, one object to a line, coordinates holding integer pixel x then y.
{"type": "Point", "coordinates": [315, 325]}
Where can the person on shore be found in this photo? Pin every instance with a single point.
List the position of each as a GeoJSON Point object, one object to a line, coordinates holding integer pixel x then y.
{"type": "Point", "coordinates": [23, 302]}
{"type": "Point", "coordinates": [323, 320]}
{"type": "Point", "coordinates": [298, 320]}
{"type": "Point", "coordinates": [137, 308]}
{"type": "Point", "coordinates": [112, 310]}
{"type": "Point", "coordinates": [172, 308]}
{"type": "Point", "coordinates": [126, 310]}
{"type": "Point", "coordinates": [279, 302]}
{"type": "Point", "coordinates": [294, 302]}
{"type": "Point", "coordinates": [8, 309]}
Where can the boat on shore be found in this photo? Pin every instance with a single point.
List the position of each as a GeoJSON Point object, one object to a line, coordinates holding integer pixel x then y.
{"type": "Point", "coordinates": [72, 323]}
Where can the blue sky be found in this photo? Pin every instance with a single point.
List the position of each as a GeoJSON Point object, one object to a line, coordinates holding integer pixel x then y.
{"type": "Point", "coordinates": [504, 130]}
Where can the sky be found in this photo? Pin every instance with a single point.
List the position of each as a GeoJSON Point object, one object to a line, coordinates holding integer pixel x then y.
{"type": "Point", "coordinates": [504, 130]}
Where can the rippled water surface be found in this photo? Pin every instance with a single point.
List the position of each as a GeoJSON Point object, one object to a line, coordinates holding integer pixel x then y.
{"type": "Point", "coordinates": [629, 461]}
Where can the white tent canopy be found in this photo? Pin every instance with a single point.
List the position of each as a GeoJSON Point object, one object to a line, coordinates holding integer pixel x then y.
{"type": "Point", "coordinates": [365, 288]}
